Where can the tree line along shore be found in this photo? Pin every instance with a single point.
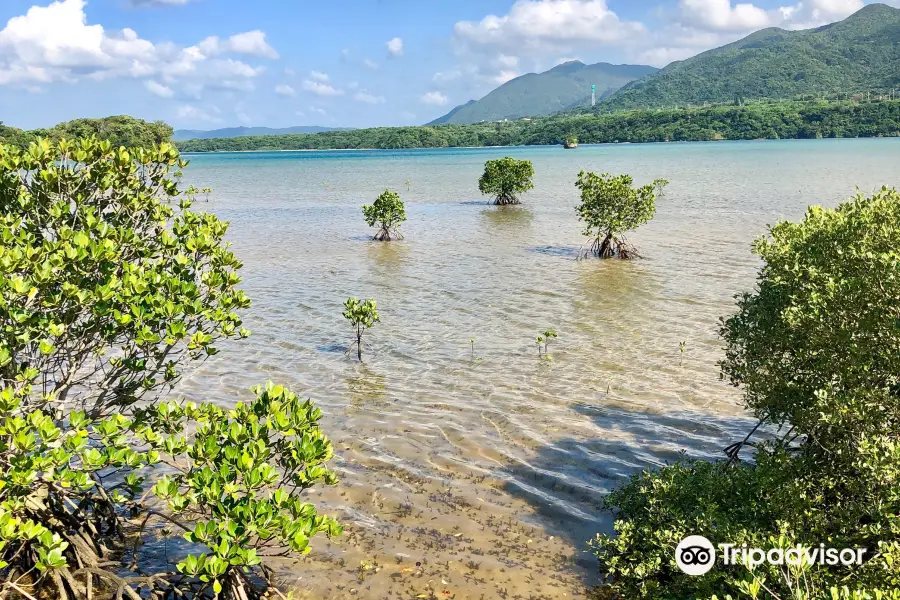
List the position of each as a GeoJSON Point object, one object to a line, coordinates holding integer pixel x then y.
{"type": "Point", "coordinates": [752, 121]}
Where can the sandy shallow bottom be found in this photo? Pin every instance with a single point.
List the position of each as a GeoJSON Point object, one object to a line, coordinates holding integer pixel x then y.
{"type": "Point", "coordinates": [480, 472]}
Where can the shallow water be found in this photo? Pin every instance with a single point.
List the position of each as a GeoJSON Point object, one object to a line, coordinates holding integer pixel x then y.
{"type": "Point", "coordinates": [487, 467]}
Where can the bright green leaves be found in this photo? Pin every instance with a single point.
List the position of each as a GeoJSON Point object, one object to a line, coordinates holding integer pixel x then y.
{"type": "Point", "coordinates": [609, 207]}
{"type": "Point", "coordinates": [817, 345]}
{"type": "Point", "coordinates": [92, 241]}
{"type": "Point", "coordinates": [387, 212]}
{"type": "Point", "coordinates": [362, 315]}
{"type": "Point", "coordinates": [817, 352]}
{"type": "Point", "coordinates": [233, 482]}
{"type": "Point", "coordinates": [506, 178]}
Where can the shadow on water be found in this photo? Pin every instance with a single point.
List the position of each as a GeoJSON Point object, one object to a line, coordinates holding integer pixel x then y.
{"type": "Point", "coordinates": [566, 483]}
{"type": "Point", "coordinates": [388, 254]}
{"type": "Point", "coordinates": [508, 217]}
{"type": "Point", "coordinates": [560, 251]}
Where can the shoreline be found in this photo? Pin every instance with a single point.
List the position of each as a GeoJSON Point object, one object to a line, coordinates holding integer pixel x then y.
{"type": "Point", "coordinates": [560, 146]}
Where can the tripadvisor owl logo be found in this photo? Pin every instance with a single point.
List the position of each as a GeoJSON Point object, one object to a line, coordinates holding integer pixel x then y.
{"type": "Point", "coordinates": [695, 555]}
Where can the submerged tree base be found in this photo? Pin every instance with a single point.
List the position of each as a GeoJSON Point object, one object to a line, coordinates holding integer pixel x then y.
{"type": "Point", "coordinates": [386, 235]}
{"type": "Point", "coordinates": [505, 201]}
{"type": "Point", "coordinates": [609, 247]}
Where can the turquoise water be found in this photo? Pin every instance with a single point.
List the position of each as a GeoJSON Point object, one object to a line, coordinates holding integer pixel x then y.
{"type": "Point", "coordinates": [457, 462]}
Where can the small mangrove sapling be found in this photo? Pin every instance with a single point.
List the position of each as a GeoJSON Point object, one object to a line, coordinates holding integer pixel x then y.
{"type": "Point", "coordinates": [361, 315]}
{"type": "Point", "coordinates": [407, 184]}
{"type": "Point", "coordinates": [506, 178]}
{"type": "Point", "coordinates": [659, 185]}
{"type": "Point", "coordinates": [547, 335]}
{"type": "Point", "coordinates": [386, 213]}
{"type": "Point", "coordinates": [610, 206]}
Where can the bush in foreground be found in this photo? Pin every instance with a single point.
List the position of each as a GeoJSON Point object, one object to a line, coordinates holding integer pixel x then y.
{"type": "Point", "coordinates": [815, 349]}
{"type": "Point", "coordinates": [111, 285]}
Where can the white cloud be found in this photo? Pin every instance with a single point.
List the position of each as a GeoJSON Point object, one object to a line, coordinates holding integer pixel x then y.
{"type": "Point", "coordinates": [364, 96]}
{"type": "Point", "coordinates": [720, 15]}
{"type": "Point", "coordinates": [319, 76]}
{"type": "Point", "coordinates": [395, 46]}
{"type": "Point", "coordinates": [285, 90]}
{"type": "Point", "coordinates": [318, 111]}
{"type": "Point", "coordinates": [537, 25]}
{"type": "Point", "coordinates": [743, 17]}
{"type": "Point", "coordinates": [320, 88]}
{"type": "Point", "coordinates": [56, 43]}
{"type": "Point", "coordinates": [194, 113]}
{"type": "Point", "coordinates": [368, 62]}
{"type": "Point", "coordinates": [251, 43]}
{"type": "Point", "coordinates": [289, 72]}
{"type": "Point", "coordinates": [435, 98]}
{"type": "Point", "coordinates": [159, 89]}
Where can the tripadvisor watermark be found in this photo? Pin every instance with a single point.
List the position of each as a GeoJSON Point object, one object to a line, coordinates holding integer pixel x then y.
{"type": "Point", "coordinates": [696, 555]}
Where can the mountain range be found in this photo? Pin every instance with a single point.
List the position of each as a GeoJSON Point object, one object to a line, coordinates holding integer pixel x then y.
{"type": "Point", "coordinates": [857, 55]}
{"type": "Point", "coordinates": [564, 87]}
{"type": "Point", "coordinates": [230, 132]}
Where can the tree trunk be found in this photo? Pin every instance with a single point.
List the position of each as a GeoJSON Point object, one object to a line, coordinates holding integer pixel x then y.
{"type": "Point", "coordinates": [359, 342]}
{"type": "Point", "coordinates": [605, 249]}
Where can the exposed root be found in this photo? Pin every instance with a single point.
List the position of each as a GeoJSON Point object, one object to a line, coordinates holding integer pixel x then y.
{"type": "Point", "coordinates": [386, 235]}
{"type": "Point", "coordinates": [506, 200]}
{"type": "Point", "coordinates": [609, 247]}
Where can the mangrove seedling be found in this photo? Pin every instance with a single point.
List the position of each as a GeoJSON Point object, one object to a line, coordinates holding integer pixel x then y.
{"type": "Point", "coordinates": [206, 193]}
{"type": "Point", "coordinates": [659, 185]}
{"type": "Point", "coordinates": [547, 335]}
{"type": "Point", "coordinates": [386, 213]}
{"type": "Point", "coordinates": [540, 341]}
{"type": "Point", "coordinates": [505, 179]}
{"type": "Point", "coordinates": [682, 346]}
{"type": "Point", "coordinates": [361, 315]}
{"type": "Point", "coordinates": [407, 182]}
{"type": "Point", "coordinates": [610, 206]}
{"type": "Point", "coordinates": [472, 341]}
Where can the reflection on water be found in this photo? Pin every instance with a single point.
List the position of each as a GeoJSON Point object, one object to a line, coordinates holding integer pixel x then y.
{"type": "Point", "coordinates": [490, 473]}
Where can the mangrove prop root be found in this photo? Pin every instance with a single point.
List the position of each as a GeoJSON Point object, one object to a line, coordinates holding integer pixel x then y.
{"type": "Point", "coordinates": [609, 247]}
{"type": "Point", "coordinates": [506, 200]}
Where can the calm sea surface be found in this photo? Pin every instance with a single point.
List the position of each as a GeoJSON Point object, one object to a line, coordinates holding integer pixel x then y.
{"type": "Point", "coordinates": [477, 474]}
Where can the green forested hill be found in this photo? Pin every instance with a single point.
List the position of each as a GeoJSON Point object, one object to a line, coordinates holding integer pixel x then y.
{"type": "Point", "coordinates": [563, 87]}
{"type": "Point", "coordinates": [749, 122]}
{"type": "Point", "coordinates": [857, 55]}
{"type": "Point", "coordinates": [120, 130]}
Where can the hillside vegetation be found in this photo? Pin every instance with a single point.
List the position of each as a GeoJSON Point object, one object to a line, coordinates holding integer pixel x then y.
{"type": "Point", "coordinates": [226, 132]}
{"type": "Point", "coordinates": [752, 121]}
{"type": "Point", "coordinates": [860, 54]}
{"type": "Point", "coordinates": [120, 130]}
{"type": "Point", "coordinates": [562, 88]}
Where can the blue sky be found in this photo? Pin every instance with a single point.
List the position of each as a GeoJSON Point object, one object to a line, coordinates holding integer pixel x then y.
{"type": "Point", "coordinates": [214, 63]}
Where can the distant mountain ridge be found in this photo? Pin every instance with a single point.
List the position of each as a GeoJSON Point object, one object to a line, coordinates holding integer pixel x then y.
{"type": "Point", "coordinates": [230, 132]}
{"type": "Point", "coordinates": [859, 54]}
{"type": "Point", "coordinates": [562, 88]}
